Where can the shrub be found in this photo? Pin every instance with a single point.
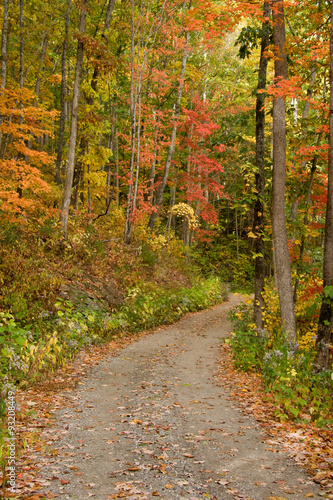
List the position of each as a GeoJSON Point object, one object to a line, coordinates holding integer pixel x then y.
{"type": "Point", "coordinates": [286, 370]}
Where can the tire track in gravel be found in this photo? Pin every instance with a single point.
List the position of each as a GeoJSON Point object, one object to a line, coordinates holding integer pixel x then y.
{"type": "Point", "coordinates": [154, 421]}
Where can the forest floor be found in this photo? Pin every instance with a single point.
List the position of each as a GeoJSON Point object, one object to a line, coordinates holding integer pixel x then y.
{"type": "Point", "coordinates": [156, 418]}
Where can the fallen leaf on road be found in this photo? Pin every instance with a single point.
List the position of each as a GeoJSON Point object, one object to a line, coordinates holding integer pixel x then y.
{"type": "Point", "coordinates": [222, 482]}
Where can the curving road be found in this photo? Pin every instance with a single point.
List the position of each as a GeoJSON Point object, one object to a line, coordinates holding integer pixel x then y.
{"type": "Point", "coordinates": [154, 421]}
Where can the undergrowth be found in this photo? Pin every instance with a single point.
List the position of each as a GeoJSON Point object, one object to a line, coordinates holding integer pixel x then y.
{"type": "Point", "coordinates": [297, 392]}
{"type": "Point", "coordinates": [40, 332]}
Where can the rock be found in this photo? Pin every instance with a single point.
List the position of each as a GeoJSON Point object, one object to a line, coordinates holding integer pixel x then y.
{"type": "Point", "coordinates": [92, 292]}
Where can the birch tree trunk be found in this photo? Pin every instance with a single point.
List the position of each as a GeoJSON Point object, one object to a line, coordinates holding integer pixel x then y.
{"type": "Point", "coordinates": [280, 238]}
{"type": "Point", "coordinates": [325, 323]}
{"type": "Point", "coordinates": [73, 132]}
{"type": "Point", "coordinates": [63, 93]}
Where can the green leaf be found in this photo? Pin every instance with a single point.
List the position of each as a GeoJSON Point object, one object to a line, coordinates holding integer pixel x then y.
{"type": "Point", "coordinates": [328, 291]}
{"type": "Point", "coordinates": [301, 402]}
{"type": "Point", "coordinates": [20, 340]}
{"type": "Point", "coordinates": [294, 411]}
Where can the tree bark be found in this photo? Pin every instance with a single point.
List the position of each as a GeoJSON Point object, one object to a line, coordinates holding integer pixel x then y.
{"type": "Point", "coordinates": [73, 133]}
{"type": "Point", "coordinates": [109, 14]}
{"type": "Point", "coordinates": [160, 191]}
{"type": "Point", "coordinates": [325, 323]}
{"type": "Point", "coordinates": [258, 216]}
{"type": "Point", "coordinates": [133, 98]}
{"type": "Point", "coordinates": [280, 238]}
{"type": "Point", "coordinates": [21, 75]}
{"type": "Point", "coordinates": [154, 162]}
{"type": "Point", "coordinates": [63, 93]}
{"type": "Point", "coordinates": [4, 54]}
{"type": "Point", "coordinates": [40, 69]}
{"type": "Point", "coordinates": [4, 44]}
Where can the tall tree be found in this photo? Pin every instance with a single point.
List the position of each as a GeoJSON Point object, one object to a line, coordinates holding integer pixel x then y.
{"type": "Point", "coordinates": [75, 111]}
{"type": "Point", "coordinates": [280, 238]}
{"type": "Point", "coordinates": [325, 323]}
{"type": "Point", "coordinates": [4, 52]}
{"type": "Point", "coordinates": [63, 92]}
{"type": "Point", "coordinates": [258, 216]}
{"type": "Point", "coordinates": [171, 149]}
{"type": "Point", "coordinates": [137, 73]}
{"type": "Point", "coordinates": [4, 44]}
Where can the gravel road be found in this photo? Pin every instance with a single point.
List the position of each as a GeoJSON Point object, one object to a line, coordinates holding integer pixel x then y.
{"type": "Point", "coordinates": [155, 421]}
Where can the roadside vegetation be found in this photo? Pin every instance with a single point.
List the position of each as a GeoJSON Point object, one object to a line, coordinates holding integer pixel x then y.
{"type": "Point", "coordinates": [287, 370]}
{"type": "Point", "coordinates": [52, 303]}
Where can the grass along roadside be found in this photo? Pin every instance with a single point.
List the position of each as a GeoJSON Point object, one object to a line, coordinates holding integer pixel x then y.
{"type": "Point", "coordinates": [310, 446]}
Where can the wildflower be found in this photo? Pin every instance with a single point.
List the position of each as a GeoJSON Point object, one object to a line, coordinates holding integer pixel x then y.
{"type": "Point", "coordinates": [293, 372]}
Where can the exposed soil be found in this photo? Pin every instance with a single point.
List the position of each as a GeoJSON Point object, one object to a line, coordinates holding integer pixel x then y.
{"type": "Point", "coordinates": [156, 421]}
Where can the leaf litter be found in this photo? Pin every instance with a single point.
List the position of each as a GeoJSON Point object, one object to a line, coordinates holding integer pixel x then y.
{"type": "Point", "coordinates": [43, 443]}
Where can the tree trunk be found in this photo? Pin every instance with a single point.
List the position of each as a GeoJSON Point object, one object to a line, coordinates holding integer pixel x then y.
{"type": "Point", "coordinates": [21, 75]}
{"type": "Point", "coordinates": [4, 44]}
{"type": "Point", "coordinates": [325, 322]}
{"type": "Point", "coordinates": [4, 54]}
{"type": "Point", "coordinates": [160, 191]}
{"type": "Point", "coordinates": [258, 216]}
{"type": "Point", "coordinates": [19, 189]}
{"type": "Point", "coordinates": [93, 84]}
{"type": "Point", "coordinates": [133, 97]}
{"type": "Point", "coordinates": [280, 238]}
{"type": "Point", "coordinates": [109, 14]}
{"type": "Point", "coordinates": [73, 132]}
{"type": "Point", "coordinates": [154, 162]}
{"type": "Point", "coordinates": [96, 72]}
{"type": "Point", "coordinates": [306, 109]}
{"type": "Point", "coordinates": [63, 106]}
{"type": "Point", "coordinates": [111, 145]}
{"type": "Point", "coordinates": [40, 69]}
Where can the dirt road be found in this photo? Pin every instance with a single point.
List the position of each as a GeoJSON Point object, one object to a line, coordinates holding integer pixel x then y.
{"type": "Point", "coordinates": [154, 421]}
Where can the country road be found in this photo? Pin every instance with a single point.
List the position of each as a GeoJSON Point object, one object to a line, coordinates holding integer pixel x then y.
{"type": "Point", "coordinates": [155, 421]}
